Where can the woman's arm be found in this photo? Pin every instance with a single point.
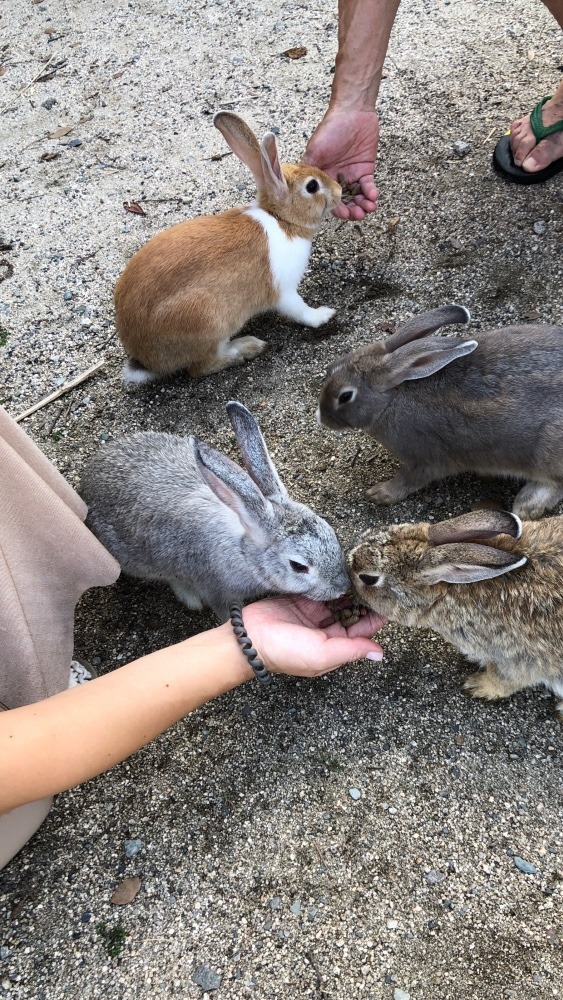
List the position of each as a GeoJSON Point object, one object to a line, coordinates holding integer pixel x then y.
{"type": "Point", "coordinates": [64, 740]}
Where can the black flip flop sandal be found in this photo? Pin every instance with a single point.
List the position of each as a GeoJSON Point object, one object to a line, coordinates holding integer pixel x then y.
{"type": "Point", "coordinates": [503, 160]}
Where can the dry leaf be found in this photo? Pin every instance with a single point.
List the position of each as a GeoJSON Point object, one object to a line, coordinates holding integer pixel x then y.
{"type": "Point", "coordinates": [45, 77]}
{"type": "Point", "coordinates": [116, 76]}
{"type": "Point", "coordinates": [531, 55]}
{"type": "Point", "coordinates": [3, 70]}
{"type": "Point", "coordinates": [64, 130]}
{"type": "Point", "coordinates": [297, 52]}
{"type": "Point", "coordinates": [392, 225]}
{"type": "Point", "coordinates": [455, 243]}
{"type": "Point", "coordinates": [134, 207]}
{"type": "Point", "coordinates": [49, 156]}
{"type": "Point", "coordinates": [50, 31]}
{"type": "Point", "coordinates": [126, 891]}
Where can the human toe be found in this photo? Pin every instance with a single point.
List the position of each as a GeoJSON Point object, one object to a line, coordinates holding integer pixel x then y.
{"type": "Point", "coordinates": [542, 155]}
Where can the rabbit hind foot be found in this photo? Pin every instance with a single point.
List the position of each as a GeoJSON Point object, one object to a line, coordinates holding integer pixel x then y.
{"type": "Point", "coordinates": [227, 355]}
{"type": "Point", "coordinates": [185, 595]}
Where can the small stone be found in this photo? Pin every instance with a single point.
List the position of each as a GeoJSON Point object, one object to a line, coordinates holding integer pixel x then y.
{"type": "Point", "coordinates": [206, 978]}
{"type": "Point", "coordinates": [60, 380]}
{"type": "Point", "coordinates": [132, 847]}
{"type": "Point", "coordinates": [68, 295]}
{"type": "Point", "coordinates": [551, 933]}
{"type": "Point", "coordinates": [401, 995]}
{"type": "Point", "coordinates": [4, 954]}
{"type": "Point", "coordinates": [74, 143]}
{"type": "Point", "coordinates": [539, 227]}
{"type": "Point", "coordinates": [434, 878]}
{"type": "Point", "coordinates": [86, 917]}
{"type": "Point", "coordinates": [276, 903]}
{"type": "Point", "coordinates": [355, 793]}
{"type": "Point", "coordinates": [126, 891]}
{"type": "Point", "coordinates": [296, 907]}
{"type": "Point", "coordinates": [461, 148]}
{"type": "Point", "coordinates": [524, 866]}
{"type": "Point", "coordinates": [49, 103]}
{"type": "Point", "coordinates": [392, 925]}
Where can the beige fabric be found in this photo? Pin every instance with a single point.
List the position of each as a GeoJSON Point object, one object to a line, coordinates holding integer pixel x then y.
{"type": "Point", "coordinates": [17, 826]}
{"type": "Point", "coordinates": [48, 558]}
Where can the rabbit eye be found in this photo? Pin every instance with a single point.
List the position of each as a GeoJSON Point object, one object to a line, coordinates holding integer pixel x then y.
{"type": "Point", "coordinates": [312, 186]}
{"type": "Point", "coordinates": [346, 396]}
{"type": "Point", "coordinates": [368, 579]}
{"type": "Point", "coordinates": [298, 567]}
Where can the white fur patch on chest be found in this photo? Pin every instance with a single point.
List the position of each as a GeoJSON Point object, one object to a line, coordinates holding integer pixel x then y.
{"type": "Point", "coordinates": [288, 257]}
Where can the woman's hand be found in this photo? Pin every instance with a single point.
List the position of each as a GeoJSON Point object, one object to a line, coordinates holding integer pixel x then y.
{"type": "Point", "coordinates": [287, 634]}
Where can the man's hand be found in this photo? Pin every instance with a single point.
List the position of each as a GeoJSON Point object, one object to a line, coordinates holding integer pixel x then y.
{"type": "Point", "coordinates": [345, 143]}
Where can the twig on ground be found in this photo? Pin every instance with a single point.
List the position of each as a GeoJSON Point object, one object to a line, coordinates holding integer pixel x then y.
{"type": "Point", "coordinates": [312, 961]}
{"type": "Point", "coordinates": [356, 456]}
{"type": "Point", "coordinates": [59, 392]}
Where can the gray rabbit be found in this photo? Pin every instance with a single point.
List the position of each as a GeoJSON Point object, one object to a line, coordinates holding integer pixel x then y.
{"type": "Point", "coordinates": [489, 584]}
{"type": "Point", "coordinates": [172, 508]}
{"type": "Point", "coordinates": [444, 405]}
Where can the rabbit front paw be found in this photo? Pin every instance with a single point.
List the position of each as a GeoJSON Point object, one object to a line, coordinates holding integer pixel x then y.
{"type": "Point", "coordinates": [489, 685]}
{"type": "Point", "coordinates": [385, 493]}
{"type": "Point", "coordinates": [535, 498]}
{"type": "Point", "coordinates": [320, 316]}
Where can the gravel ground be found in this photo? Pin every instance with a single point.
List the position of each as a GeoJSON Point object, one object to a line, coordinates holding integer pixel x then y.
{"type": "Point", "coordinates": [359, 835]}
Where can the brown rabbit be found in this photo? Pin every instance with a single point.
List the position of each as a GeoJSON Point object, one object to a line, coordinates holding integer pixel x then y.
{"type": "Point", "coordinates": [451, 577]}
{"type": "Point", "coordinates": [192, 287]}
{"type": "Point", "coordinates": [444, 405]}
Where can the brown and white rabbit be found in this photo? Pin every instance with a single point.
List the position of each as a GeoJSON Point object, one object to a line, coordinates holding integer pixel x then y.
{"type": "Point", "coordinates": [450, 577]}
{"type": "Point", "coordinates": [192, 287]}
{"type": "Point", "coordinates": [498, 410]}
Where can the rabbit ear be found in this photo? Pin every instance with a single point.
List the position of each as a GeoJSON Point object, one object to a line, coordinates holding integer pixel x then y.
{"type": "Point", "coordinates": [242, 141]}
{"type": "Point", "coordinates": [427, 322]}
{"type": "Point", "coordinates": [421, 360]}
{"type": "Point", "coordinates": [255, 454]}
{"type": "Point", "coordinates": [273, 178]}
{"type": "Point", "coordinates": [235, 489]}
{"type": "Point", "coordinates": [478, 524]}
{"type": "Point", "coordinates": [467, 563]}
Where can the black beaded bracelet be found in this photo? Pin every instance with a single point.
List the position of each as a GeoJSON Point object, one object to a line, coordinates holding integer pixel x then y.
{"type": "Point", "coordinates": [261, 672]}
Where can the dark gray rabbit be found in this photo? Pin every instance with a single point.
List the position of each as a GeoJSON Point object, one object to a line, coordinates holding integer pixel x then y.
{"type": "Point", "coordinates": [444, 405]}
{"type": "Point", "coordinates": [174, 509]}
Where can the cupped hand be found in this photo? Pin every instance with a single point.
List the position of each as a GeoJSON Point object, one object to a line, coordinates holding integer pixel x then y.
{"type": "Point", "coordinates": [345, 143]}
{"type": "Point", "coordinates": [287, 633]}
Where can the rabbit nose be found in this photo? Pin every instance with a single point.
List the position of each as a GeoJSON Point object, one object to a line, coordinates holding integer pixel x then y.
{"type": "Point", "coordinates": [368, 579]}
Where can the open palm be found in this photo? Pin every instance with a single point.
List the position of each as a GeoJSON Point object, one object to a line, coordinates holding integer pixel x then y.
{"type": "Point", "coordinates": [287, 633]}
{"type": "Point", "coordinates": [345, 143]}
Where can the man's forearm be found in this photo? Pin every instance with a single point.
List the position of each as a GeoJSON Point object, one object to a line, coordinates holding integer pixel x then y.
{"type": "Point", "coordinates": [364, 28]}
